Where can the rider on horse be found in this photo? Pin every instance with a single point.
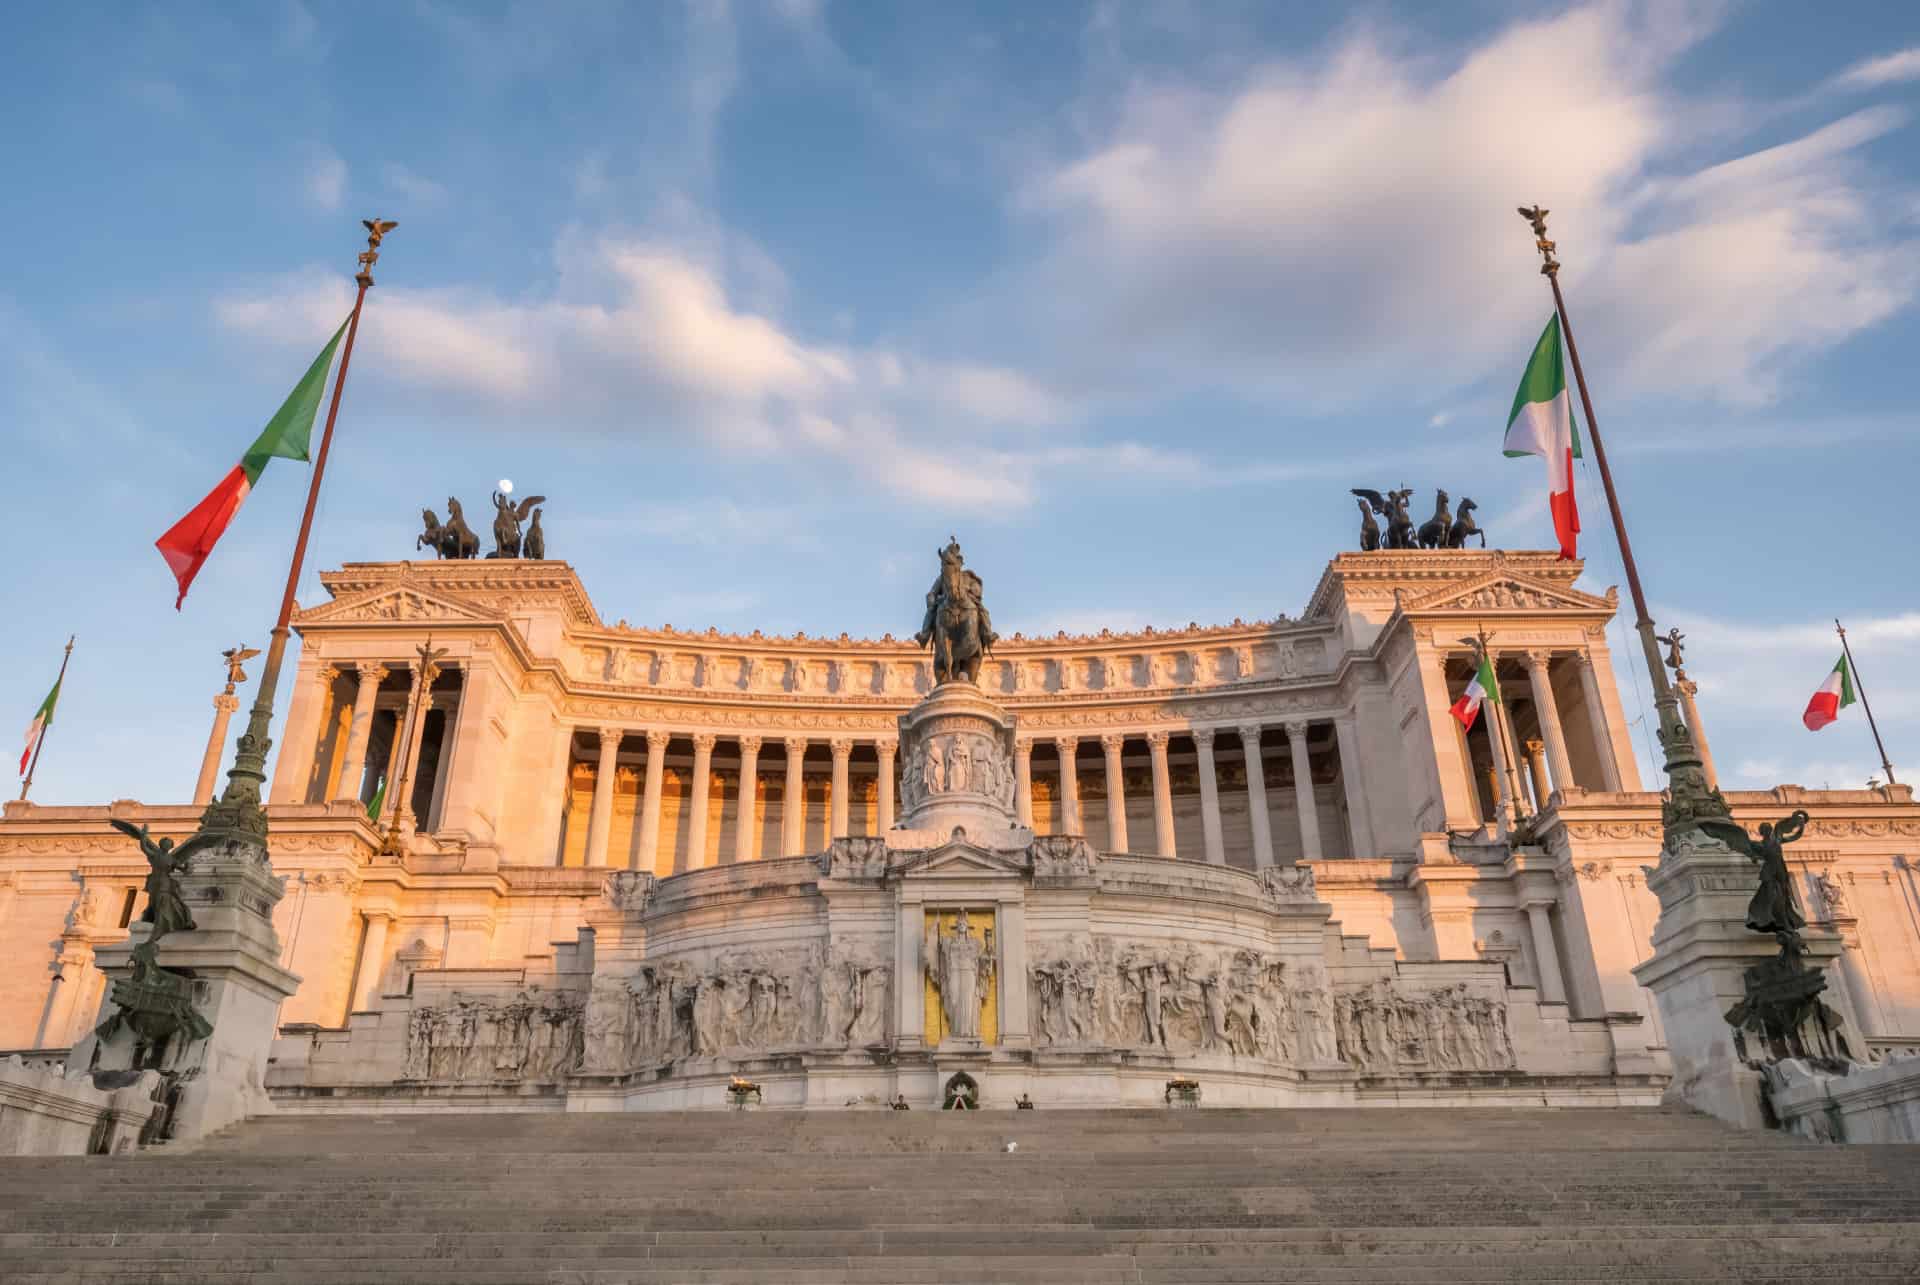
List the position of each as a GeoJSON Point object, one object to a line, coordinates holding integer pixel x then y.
{"type": "Point", "coordinates": [956, 621]}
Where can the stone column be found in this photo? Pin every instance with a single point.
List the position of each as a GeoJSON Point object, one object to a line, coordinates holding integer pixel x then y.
{"type": "Point", "coordinates": [1597, 720]}
{"type": "Point", "coordinates": [223, 706]}
{"type": "Point", "coordinates": [414, 724]}
{"type": "Point", "coordinates": [1116, 793]}
{"type": "Point", "coordinates": [600, 820]}
{"type": "Point", "coordinates": [1303, 792]}
{"type": "Point", "coordinates": [1353, 780]}
{"type": "Point", "coordinates": [1453, 767]}
{"type": "Point", "coordinates": [793, 809]}
{"type": "Point", "coordinates": [837, 811]}
{"type": "Point", "coordinates": [1069, 785]}
{"type": "Point", "coordinates": [889, 776]}
{"type": "Point", "coordinates": [1023, 782]}
{"type": "Point", "coordinates": [1549, 714]}
{"type": "Point", "coordinates": [697, 816]}
{"type": "Point", "coordinates": [1509, 760]}
{"type": "Point", "coordinates": [1162, 794]}
{"type": "Point", "coordinates": [1504, 804]}
{"type": "Point", "coordinates": [650, 800]}
{"type": "Point", "coordinates": [450, 710]}
{"type": "Point", "coordinates": [745, 827]}
{"type": "Point", "coordinates": [373, 958]}
{"type": "Point", "coordinates": [1546, 957]}
{"type": "Point", "coordinates": [1209, 798]}
{"type": "Point", "coordinates": [1537, 771]}
{"type": "Point", "coordinates": [353, 767]}
{"type": "Point", "coordinates": [300, 737]}
{"type": "Point", "coordinates": [1687, 687]}
{"type": "Point", "coordinates": [1257, 796]}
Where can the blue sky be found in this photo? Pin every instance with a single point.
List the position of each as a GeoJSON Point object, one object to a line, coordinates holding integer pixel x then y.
{"type": "Point", "coordinates": [771, 297]}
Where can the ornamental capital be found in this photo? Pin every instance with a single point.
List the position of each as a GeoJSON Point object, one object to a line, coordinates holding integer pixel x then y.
{"type": "Point", "coordinates": [1249, 734]}
{"type": "Point", "coordinates": [371, 671]}
{"type": "Point", "coordinates": [1158, 740]}
{"type": "Point", "coordinates": [1297, 730]}
{"type": "Point", "coordinates": [796, 746]}
{"type": "Point", "coordinates": [704, 741]}
{"type": "Point", "coordinates": [657, 740]}
{"type": "Point", "coordinates": [1203, 737]}
{"type": "Point", "coordinates": [1112, 742]}
{"type": "Point", "coordinates": [1537, 658]}
{"type": "Point", "coordinates": [610, 738]}
{"type": "Point", "coordinates": [750, 744]}
{"type": "Point", "coordinates": [842, 746]}
{"type": "Point", "coordinates": [1066, 745]}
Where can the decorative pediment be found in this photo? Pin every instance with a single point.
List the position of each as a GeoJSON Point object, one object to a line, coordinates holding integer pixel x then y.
{"type": "Point", "coordinates": [961, 856]}
{"type": "Point", "coordinates": [1505, 591]}
{"type": "Point", "coordinates": [399, 604]}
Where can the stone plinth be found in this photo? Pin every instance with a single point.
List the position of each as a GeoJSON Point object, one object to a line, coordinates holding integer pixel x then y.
{"type": "Point", "coordinates": [1702, 950]}
{"type": "Point", "coordinates": [1865, 1104]}
{"type": "Point", "coordinates": [957, 772]}
{"type": "Point", "coordinates": [232, 956]}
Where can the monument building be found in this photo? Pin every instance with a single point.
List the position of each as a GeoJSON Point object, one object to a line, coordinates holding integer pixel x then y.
{"type": "Point", "coordinates": [534, 860]}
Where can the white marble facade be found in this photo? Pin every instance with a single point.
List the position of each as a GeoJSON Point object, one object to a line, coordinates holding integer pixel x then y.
{"type": "Point", "coordinates": [638, 862]}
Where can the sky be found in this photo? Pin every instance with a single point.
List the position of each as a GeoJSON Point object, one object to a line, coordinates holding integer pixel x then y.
{"type": "Point", "coordinates": [769, 298]}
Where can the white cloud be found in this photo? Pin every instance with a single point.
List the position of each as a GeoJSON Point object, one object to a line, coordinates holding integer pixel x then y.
{"type": "Point", "coordinates": [326, 178]}
{"type": "Point", "coordinates": [1888, 69]}
{"type": "Point", "coordinates": [1340, 229]}
{"type": "Point", "coordinates": [642, 337]}
{"type": "Point", "coordinates": [419, 191]}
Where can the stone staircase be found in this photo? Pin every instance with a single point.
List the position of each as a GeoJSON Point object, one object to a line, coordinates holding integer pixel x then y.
{"type": "Point", "coordinates": [783, 1198]}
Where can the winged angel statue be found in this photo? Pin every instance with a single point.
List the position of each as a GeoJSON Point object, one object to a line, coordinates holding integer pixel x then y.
{"type": "Point", "coordinates": [506, 524]}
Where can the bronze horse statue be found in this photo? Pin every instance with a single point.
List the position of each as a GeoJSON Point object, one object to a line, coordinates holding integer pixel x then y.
{"type": "Point", "coordinates": [1434, 531]}
{"type": "Point", "coordinates": [457, 539]}
{"type": "Point", "coordinates": [1369, 529]}
{"type": "Point", "coordinates": [956, 621]}
{"type": "Point", "coordinates": [1464, 526]}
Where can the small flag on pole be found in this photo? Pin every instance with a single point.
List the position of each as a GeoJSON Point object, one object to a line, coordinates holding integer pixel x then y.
{"type": "Point", "coordinates": [1834, 695]}
{"type": "Point", "coordinates": [1541, 423]}
{"type": "Point", "coordinates": [378, 801]}
{"type": "Point", "coordinates": [42, 720]}
{"type": "Point", "coordinates": [187, 544]}
{"type": "Point", "coordinates": [1483, 689]}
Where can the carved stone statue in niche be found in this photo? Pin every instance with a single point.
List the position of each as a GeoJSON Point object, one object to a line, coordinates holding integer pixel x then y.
{"type": "Point", "coordinates": [962, 967]}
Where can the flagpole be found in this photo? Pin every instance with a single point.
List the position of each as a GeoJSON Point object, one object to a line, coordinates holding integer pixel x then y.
{"type": "Point", "coordinates": [41, 744]}
{"type": "Point", "coordinates": [238, 811]}
{"type": "Point", "coordinates": [1859, 686]}
{"type": "Point", "coordinates": [1689, 793]}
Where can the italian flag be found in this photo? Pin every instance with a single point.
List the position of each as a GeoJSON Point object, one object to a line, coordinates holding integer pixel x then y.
{"type": "Point", "coordinates": [1541, 423]}
{"type": "Point", "coordinates": [189, 541]}
{"type": "Point", "coordinates": [1834, 695]}
{"type": "Point", "coordinates": [42, 720]}
{"type": "Point", "coordinates": [1481, 690]}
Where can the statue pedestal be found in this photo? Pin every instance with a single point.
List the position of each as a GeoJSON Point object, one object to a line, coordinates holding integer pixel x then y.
{"type": "Point", "coordinates": [1702, 950]}
{"type": "Point", "coordinates": [231, 957]}
{"type": "Point", "coordinates": [956, 771]}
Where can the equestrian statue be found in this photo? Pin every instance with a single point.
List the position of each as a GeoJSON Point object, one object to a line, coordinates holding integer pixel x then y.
{"type": "Point", "coordinates": [956, 623]}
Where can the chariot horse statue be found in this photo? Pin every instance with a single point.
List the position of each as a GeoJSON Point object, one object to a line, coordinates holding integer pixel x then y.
{"type": "Point", "coordinates": [956, 622]}
{"type": "Point", "coordinates": [457, 539]}
{"type": "Point", "coordinates": [1434, 531]}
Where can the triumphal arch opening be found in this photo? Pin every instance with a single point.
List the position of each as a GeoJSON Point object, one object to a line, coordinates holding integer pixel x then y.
{"type": "Point", "coordinates": [534, 860]}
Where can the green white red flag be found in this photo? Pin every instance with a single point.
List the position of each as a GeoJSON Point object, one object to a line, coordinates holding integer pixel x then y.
{"type": "Point", "coordinates": [1482, 690]}
{"type": "Point", "coordinates": [189, 541]}
{"type": "Point", "coordinates": [42, 720]}
{"type": "Point", "coordinates": [1541, 423]}
{"type": "Point", "coordinates": [1834, 695]}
